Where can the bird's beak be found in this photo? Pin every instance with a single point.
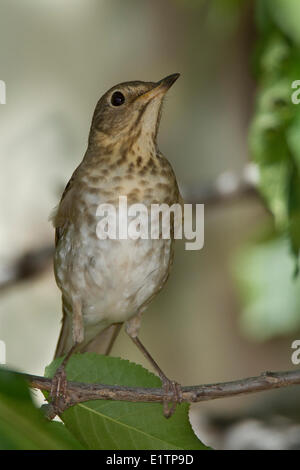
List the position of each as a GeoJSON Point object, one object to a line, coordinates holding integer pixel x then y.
{"type": "Point", "coordinates": [168, 81]}
{"type": "Point", "coordinates": [160, 88]}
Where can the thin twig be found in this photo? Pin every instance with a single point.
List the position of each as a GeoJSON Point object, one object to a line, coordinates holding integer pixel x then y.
{"type": "Point", "coordinates": [25, 267]}
{"type": "Point", "coordinates": [229, 186]}
{"type": "Point", "coordinates": [79, 392]}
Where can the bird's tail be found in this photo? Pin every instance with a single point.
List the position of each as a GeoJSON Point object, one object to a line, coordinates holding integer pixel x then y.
{"type": "Point", "coordinates": [101, 343]}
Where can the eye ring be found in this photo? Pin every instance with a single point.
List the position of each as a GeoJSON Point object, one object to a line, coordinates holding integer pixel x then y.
{"type": "Point", "coordinates": [117, 98]}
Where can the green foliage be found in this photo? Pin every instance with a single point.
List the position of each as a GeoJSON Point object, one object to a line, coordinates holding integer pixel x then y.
{"type": "Point", "coordinates": [275, 131]}
{"type": "Point", "coordinates": [271, 297]}
{"type": "Point", "coordinates": [103, 424]}
{"type": "Point", "coordinates": [22, 426]}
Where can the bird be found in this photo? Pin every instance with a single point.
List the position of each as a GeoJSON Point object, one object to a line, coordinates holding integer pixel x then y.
{"type": "Point", "coordinates": [108, 282]}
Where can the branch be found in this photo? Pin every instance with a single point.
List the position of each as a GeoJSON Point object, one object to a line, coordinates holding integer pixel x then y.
{"type": "Point", "coordinates": [28, 265]}
{"type": "Point", "coordinates": [79, 392]}
{"type": "Point", "coordinates": [228, 187]}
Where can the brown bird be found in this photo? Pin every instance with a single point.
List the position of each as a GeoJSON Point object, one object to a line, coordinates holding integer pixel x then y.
{"type": "Point", "coordinates": [107, 282]}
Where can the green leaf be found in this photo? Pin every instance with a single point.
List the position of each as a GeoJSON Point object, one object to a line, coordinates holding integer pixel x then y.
{"type": "Point", "coordinates": [274, 133]}
{"type": "Point", "coordinates": [286, 13]}
{"type": "Point", "coordinates": [270, 296]}
{"type": "Point", "coordinates": [103, 424]}
{"type": "Point", "coordinates": [22, 425]}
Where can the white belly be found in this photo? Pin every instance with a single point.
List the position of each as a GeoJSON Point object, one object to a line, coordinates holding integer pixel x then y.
{"type": "Point", "coordinates": [113, 278]}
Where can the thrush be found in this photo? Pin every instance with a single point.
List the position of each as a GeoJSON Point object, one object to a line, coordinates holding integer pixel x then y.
{"type": "Point", "coordinates": [106, 282]}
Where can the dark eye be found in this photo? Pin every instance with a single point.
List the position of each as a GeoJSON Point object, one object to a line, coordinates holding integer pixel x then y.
{"type": "Point", "coordinates": [117, 98]}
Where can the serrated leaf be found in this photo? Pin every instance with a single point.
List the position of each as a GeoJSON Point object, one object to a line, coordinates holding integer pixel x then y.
{"type": "Point", "coordinates": [22, 426]}
{"type": "Point", "coordinates": [103, 424]}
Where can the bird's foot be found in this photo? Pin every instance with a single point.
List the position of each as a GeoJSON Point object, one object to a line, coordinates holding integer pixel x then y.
{"type": "Point", "coordinates": [58, 392]}
{"type": "Point", "coordinates": [175, 388]}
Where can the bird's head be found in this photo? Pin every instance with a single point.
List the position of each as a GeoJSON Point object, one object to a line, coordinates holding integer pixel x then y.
{"type": "Point", "coordinates": [129, 110]}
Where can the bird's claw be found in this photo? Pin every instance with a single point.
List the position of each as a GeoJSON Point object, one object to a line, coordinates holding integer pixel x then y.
{"type": "Point", "coordinates": [58, 392]}
{"type": "Point", "coordinates": [59, 383]}
{"type": "Point", "coordinates": [171, 385]}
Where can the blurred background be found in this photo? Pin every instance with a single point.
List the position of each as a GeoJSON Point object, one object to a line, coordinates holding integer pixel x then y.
{"type": "Point", "coordinates": [228, 311]}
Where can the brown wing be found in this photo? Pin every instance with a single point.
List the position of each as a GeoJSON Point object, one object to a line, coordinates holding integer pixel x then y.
{"type": "Point", "coordinates": [62, 213]}
{"type": "Point", "coordinates": [103, 341]}
{"type": "Point", "coordinates": [65, 340]}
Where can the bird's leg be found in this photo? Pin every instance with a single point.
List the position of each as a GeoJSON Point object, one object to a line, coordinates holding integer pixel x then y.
{"type": "Point", "coordinates": [168, 385]}
{"type": "Point", "coordinates": [59, 381]}
{"type": "Point", "coordinates": [132, 327]}
{"type": "Point", "coordinates": [58, 391]}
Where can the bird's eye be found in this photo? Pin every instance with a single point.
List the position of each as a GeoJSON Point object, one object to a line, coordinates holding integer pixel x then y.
{"type": "Point", "coordinates": [117, 98]}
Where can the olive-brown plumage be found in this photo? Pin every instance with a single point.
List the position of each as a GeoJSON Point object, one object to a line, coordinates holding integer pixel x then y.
{"type": "Point", "coordinates": [107, 282]}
